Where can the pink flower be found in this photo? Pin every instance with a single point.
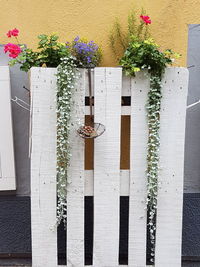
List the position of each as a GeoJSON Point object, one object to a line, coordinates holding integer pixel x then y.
{"type": "Point", "coordinates": [14, 32]}
{"type": "Point", "coordinates": [145, 19]}
{"type": "Point", "coordinates": [13, 49]}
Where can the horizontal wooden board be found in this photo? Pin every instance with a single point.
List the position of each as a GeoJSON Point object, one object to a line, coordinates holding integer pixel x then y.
{"type": "Point", "coordinates": [124, 182]}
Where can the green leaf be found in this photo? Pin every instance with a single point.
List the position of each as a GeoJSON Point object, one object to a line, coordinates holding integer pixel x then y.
{"type": "Point", "coordinates": [54, 37]}
{"type": "Point", "coordinates": [42, 36]}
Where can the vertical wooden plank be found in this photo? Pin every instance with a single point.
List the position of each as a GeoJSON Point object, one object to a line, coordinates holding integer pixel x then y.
{"type": "Point", "coordinates": [107, 85]}
{"type": "Point", "coordinates": [138, 148]}
{"type": "Point", "coordinates": [170, 194]}
{"type": "Point", "coordinates": [75, 194]}
{"type": "Point", "coordinates": [126, 86]}
{"type": "Point", "coordinates": [125, 142]}
{"type": "Point", "coordinates": [7, 164]}
{"type": "Point", "coordinates": [43, 167]}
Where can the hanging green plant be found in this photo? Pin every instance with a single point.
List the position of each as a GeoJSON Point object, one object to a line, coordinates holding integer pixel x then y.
{"type": "Point", "coordinates": [142, 53]}
{"type": "Point", "coordinates": [67, 74]}
{"type": "Point", "coordinates": [82, 54]}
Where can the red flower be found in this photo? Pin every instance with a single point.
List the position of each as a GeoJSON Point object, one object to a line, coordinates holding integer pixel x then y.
{"type": "Point", "coordinates": [9, 34]}
{"type": "Point", "coordinates": [14, 32]}
{"type": "Point", "coordinates": [13, 49]}
{"type": "Point", "coordinates": [145, 19]}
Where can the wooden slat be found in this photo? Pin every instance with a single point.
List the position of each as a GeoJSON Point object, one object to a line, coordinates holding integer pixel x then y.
{"type": "Point", "coordinates": [126, 82]}
{"type": "Point", "coordinates": [43, 167]}
{"type": "Point", "coordinates": [125, 110]}
{"type": "Point", "coordinates": [125, 143]}
{"type": "Point", "coordinates": [170, 195]}
{"type": "Point", "coordinates": [75, 194]}
{"type": "Point", "coordinates": [139, 137]}
{"type": "Point", "coordinates": [126, 86]}
{"type": "Point", "coordinates": [7, 164]}
{"type": "Point", "coordinates": [124, 182]}
{"type": "Point", "coordinates": [107, 85]}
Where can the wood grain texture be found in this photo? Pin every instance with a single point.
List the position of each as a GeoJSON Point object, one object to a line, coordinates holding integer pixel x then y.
{"type": "Point", "coordinates": [7, 163]}
{"type": "Point", "coordinates": [75, 192]}
{"type": "Point", "coordinates": [43, 167]}
{"type": "Point", "coordinates": [138, 148]}
{"type": "Point", "coordinates": [107, 93]}
{"type": "Point", "coordinates": [89, 149]}
{"type": "Point", "coordinates": [170, 194]}
{"type": "Point", "coordinates": [125, 143]}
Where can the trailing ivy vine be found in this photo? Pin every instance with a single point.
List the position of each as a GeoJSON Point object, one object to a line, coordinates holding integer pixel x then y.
{"type": "Point", "coordinates": [67, 73]}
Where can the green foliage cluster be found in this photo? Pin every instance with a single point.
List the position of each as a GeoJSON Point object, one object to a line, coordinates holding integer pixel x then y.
{"type": "Point", "coordinates": [145, 54]}
{"type": "Point", "coordinates": [49, 53]}
{"type": "Point", "coordinates": [135, 50]}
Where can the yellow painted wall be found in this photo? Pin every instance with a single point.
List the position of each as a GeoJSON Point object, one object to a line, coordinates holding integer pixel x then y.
{"type": "Point", "coordinates": [93, 19]}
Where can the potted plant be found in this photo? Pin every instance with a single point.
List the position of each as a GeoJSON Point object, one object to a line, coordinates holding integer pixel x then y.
{"type": "Point", "coordinates": [135, 51]}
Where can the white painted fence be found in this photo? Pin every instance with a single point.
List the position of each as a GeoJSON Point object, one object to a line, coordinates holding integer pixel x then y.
{"type": "Point", "coordinates": [107, 182]}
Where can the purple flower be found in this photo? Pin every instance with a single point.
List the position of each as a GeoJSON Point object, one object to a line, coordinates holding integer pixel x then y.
{"type": "Point", "coordinates": [67, 44]}
{"type": "Point", "coordinates": [76, 39]}
{"type": "Point", "coordinates": [87, 53]}
{"type": "Point", "coordinates": [89, 59]}
{"type": "Point", "coordinates": [95, 47]}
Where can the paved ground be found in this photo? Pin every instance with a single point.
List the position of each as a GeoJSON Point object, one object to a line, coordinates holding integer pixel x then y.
{"type": "Point", "coordinates": [186, 264]}
{"type": "Point", "coordinates": [196, 264]}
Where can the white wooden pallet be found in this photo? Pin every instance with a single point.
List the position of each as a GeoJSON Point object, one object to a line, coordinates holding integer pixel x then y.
{"type": "Point", "coordinates": [107, 182]}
